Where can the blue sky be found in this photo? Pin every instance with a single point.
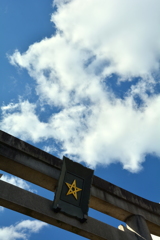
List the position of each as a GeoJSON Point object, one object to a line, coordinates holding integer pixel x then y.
{"type": "Point", "coordinates": [81, 79]}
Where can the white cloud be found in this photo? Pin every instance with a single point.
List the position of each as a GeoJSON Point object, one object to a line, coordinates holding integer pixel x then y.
{"type": "Point", "coordinates": [111, 132]}
{"type": "Point", "coordinates": [107, 133]}
{"type": "Point", "coordinates": [49, 149]}
{"type": "Point", "coordinates": [1, 209]}
{"type": "Point", "coordinates": [21, 117]}
{"type": "Point", "coordinates": [124, 32]}
{"type": "Point", "coordinates": [17, 182]}
{"type": "Point", "coordinates": [21, 230]}
{"type": "Point", "coordinates": [72, 70]}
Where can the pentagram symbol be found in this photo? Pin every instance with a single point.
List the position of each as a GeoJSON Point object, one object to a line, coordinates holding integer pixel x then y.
{"type": "Point", "coordinates": [73, 189]}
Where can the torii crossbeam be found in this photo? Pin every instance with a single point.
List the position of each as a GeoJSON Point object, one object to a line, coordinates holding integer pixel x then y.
{"type": "Point", "coordinates": [32, 164]}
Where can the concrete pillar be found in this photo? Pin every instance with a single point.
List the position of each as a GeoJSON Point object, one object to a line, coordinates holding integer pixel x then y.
{"type": "Point", "coordinates": [137, 224]}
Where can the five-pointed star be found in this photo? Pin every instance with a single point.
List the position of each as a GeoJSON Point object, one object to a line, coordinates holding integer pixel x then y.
{"type": "Point", "coordinates": [73, 189]}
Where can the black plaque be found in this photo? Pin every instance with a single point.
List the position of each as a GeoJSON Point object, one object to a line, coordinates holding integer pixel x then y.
{"type": "Point", "coordinates": [73, 191]}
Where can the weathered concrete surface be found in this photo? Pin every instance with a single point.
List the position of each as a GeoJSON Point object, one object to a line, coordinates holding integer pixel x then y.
{"type": "Point", "coordinates": [28, 167]}
{"type": "Point", "coordinates": [43, 169]}
{"type": "Point", "coordinates": [40, 208]}
{"type": "Point", "coordinates": [137, 224]}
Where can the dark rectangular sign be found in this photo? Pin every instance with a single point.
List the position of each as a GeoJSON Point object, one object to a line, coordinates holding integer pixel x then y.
{"type": "Point", "coordinates": [73, 191]}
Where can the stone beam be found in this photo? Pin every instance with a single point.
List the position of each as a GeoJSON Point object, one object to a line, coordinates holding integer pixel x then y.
{"type": "Point", "coordinates": [137, 224]}
{"type": "Point", "coordinates": [32, 164]}
{"type": "Point", "coordinates": [40, 208]}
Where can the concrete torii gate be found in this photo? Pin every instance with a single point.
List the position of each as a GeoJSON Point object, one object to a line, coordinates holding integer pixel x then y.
{"type": "Point", "coordinates": [21, 159]}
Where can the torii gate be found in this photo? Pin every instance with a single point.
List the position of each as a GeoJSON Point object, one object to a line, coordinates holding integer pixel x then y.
{"type": "Point", "coordinates": [142, 217]}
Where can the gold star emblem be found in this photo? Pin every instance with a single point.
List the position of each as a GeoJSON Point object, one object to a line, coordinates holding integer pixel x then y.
{"type": "Point", "coordinates": [73, 189]}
